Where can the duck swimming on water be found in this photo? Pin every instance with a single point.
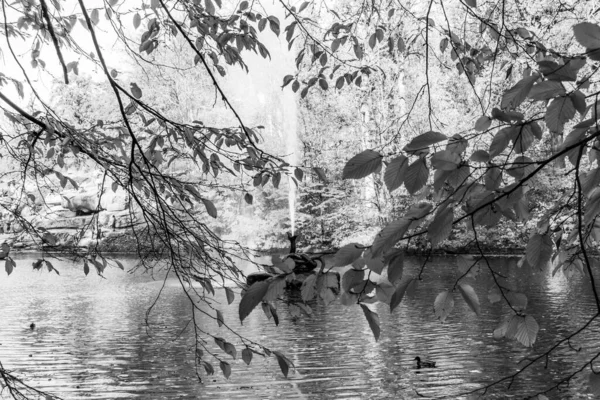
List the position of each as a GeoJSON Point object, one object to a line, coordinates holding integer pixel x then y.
{"type": "Point", "coordinates": [424, 364]}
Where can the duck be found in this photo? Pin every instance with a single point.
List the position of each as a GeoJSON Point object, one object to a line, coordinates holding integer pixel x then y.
{"type": "Point", "coordinates": [424, 364]}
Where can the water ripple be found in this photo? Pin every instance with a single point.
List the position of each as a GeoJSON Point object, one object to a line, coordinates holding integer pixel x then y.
{"type": "Point", "coordinates": [91, 341]}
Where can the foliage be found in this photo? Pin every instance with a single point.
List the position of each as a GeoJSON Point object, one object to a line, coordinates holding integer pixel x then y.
{"type": "Point", "coordinates": [516, 108]}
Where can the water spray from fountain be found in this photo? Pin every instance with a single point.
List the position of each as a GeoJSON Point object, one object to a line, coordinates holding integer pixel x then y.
{"type": "Point", "coordinates": [290, 136]}
{"type": "Point", "coordinates": [292, 204]}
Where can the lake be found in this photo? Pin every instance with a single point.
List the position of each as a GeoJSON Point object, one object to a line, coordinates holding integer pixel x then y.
{"type": "Point", "coordinates": [91, 339]}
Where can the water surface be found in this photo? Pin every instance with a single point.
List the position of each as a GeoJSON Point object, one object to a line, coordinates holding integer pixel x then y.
{"type": "Point", "coordinates": [91, 339]}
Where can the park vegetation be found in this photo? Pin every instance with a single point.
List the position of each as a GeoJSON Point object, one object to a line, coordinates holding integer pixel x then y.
{"type": "Point", "coordinates": [431, 127]}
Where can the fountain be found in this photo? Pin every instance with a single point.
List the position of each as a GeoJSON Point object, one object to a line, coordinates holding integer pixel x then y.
{"type": "Point", "coordinates": [292, 206]}
{"type": "Point", "coordinates": [304, 265]}
{"type": "Point", "coordinates": [292, 238]}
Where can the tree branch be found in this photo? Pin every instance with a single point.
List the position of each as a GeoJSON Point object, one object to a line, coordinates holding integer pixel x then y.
{"type": "Point", "coordinates": [54, 40]}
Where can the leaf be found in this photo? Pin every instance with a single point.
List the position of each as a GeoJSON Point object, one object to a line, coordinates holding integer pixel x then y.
{"type": "Point", "coordinates": [320, 173]}
{"type": "Point", "coordinates": [507, 116]}
{"type": "Point", "coordinates": [480, 156]}
{"type": "Point", "coordinates": [309, 289]}
{"type": "Point", "coordinates": [388, 236]}
{"type": "Point", "coordinates": [587, 34]}
{"type": "Point", "coordinates": [468, 293]}
{"type": "Point", "coordinates": [373, 320]}
{"type": "Point", "coordinates": [561, 72]}
{"type": "Point", "coordinates": [9, 265]}
{"type": "Point", "coordinates": [513, 326]}
{"type": "Point", "coordinates": [440, 227]}
{"type": "Point", "coordinates": [229, 348]}
{"type": "Point", "coordinates": [395, 263]}
{"type": "Point", "coordinates": [351, 278]}
{"type": "Point", "coordinates": [527, 331]}
{"type": "Point", "coordinates": [226, 368]}
{"type": "Point", "coordinates": [287, 265]}
{"type": "Point", "coordinates": [330, 280]}
{"type": "Point", "coordinates": [95, 16]}
{"type": "Point", "coordinates": [49, 238]}
{"type": "Point", "coordinates": [547, 90]}
{"type": "Point", "coordinates": [579, 102]}
{"type": "Point", "coordinates": [120, 265]}
{"type": "Point", "coordinates": [559, 111]}
{"type": "Point", "coordinates": [465, 263]}
{"type": "Point", "coordinates": [267, 308]}
{"type": "Point", "coordinates": [524, 139]}
{"type": "Point", "coordinates": [252, 298]}
{"type": "Point", "coordinates": [230, 295]}
{"type": "Point", "coordinates": [518, 301]}
{"type": "Point", "coordinates": [457, 144]}
{"type": "Point", "coordinates": [86, 267]}
{"type": "Point", "coordinates": [592, 207]}
{"type": "Point", "coordinates": [500, 141]}
{"type": "Point", "coordinates": [274, 25]}
{"type": "Point", "coordinates": [248, 198]}
{"type": "Point", "coordinates": [520, 167]}
{"type": "Point", "coordinates": [384, 292]}
{"type": "Point", "coordinates": [445, 160]}
{"type": "Point", "coordinates": [210, 208]}
{"type": "Point", "coordinates": [443, 305]}
{"type": "Point", "coordinates": [394, 173]}
{"type": "Point", "coordinates": [135, 90]}
{"type": "Point", "coordinates": [276, 179]}
{"type": "Point", "coordinates": [286, 80]}
{"type": "Point", "coordinates": [362, 164]}
{"type": "Point", "coordinates": [401, 45]}
{"type": "Point", "coordinates": [299, 174]}
{"type": "Point", "coordinates": [51, 267]}
{"type": "Point", "coordinates": [220, 320]}
{"type": "Point", "coordinates": [303, 6]}
{"type": "Point", "coordinates": [347, 254]}
{"type": "Point", "coordinates": [276, 289]}
{"type": "Point", "coordinates": [500, 331]}
{"type": "Point", "coordinates": [424, 140]}
{"type": "Point", "coordinates": [137, 20]}
{"type": "Point", "coordinates": [483, 123]}
{"type": "Point", "coordinates": [210, 7]}
{"type": "Point", "coordinates": [471, 3]}
{"type": "Point", "coordinates": [416, 176]}
{"type": "Point", "coordinates": [262, 24]}
{"type": "Point", "coordinates": [375, 264]}
{"type": "Point", "coordinates": [539, 250]}
{"type": "Point", "coordinates": [208, 368]}
{"type": "Point", "coordinates": [398, 295]}
{"type": "Point", "coordinates": [444, 44]}
{"type": "Point", "coordinates": [514, 96]}
{"type": "Point", "coordinates": [372, 41]}
{"type": "Point", "coordinates": [247, 356]}
{"type": "Point", "coordinates": [284, 363]}
{"type": "Point", "coordinates": [327, 295]}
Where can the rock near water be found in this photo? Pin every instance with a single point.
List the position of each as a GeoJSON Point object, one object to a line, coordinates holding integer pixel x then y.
{"type": "Point", "coordinates": [78, 217]}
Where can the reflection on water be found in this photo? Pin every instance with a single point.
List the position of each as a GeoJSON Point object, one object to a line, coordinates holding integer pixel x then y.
{"type": "Point", "coordinates": [91, 340]}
